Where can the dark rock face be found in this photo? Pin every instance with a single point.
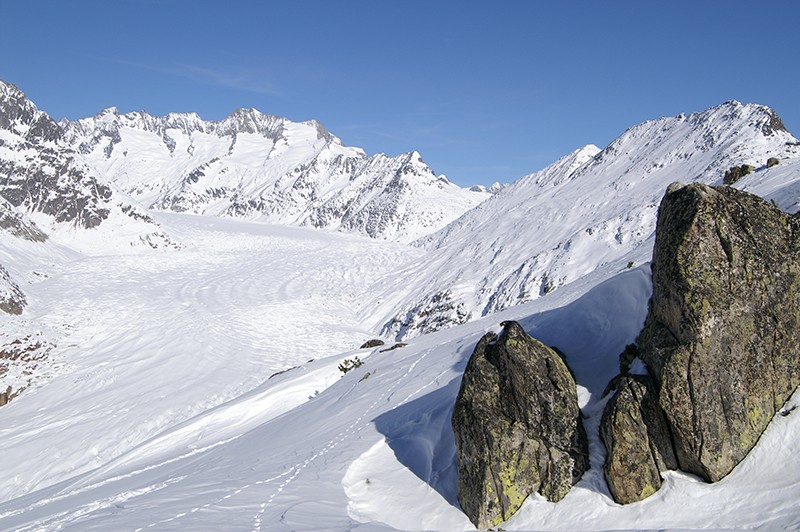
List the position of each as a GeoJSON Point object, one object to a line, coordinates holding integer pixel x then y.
{"type": "Point", "coordinates": [517, 427]}
{"type": "Point", "coordinates": [44, 175]}
{"type": "Point", "coordinates": [12, 300]}
{"type": "Point", "coordinates": [18, 225]}
{"type": "Point", "coordinates": [369, 344]}
{"type": "Point", "coordinates": [722, 336]}
{"type": "Point", "coordinates": [637, 439]}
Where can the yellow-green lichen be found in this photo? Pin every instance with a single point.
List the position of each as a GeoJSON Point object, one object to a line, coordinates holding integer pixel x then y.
{"type": "Point", "coordinates": [647, 490]}
{"type": "Point", "coordinates": [508, 476]}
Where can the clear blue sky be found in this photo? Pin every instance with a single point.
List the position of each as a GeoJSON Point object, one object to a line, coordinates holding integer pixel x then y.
{"type": "Point", "coordinates": [485, 91]}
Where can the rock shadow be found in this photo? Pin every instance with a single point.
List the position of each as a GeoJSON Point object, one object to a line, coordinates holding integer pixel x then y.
{"type": "Point", "coordinates": [421, 436]}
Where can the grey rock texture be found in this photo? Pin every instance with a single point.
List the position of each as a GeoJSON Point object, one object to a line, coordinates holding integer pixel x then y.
{"type": "Point", "coordinates": [12, 300]}
{"type": "Point", "coordinates": [722, 336]}
{"type": "Point", "coordinates": [637, 439]}
{"type": "Point", "coordinates": [19, 225]}
{"type": "Point", "coordinates": [42, 174]}
{"type": "Point", "coordinates": [517, 426]}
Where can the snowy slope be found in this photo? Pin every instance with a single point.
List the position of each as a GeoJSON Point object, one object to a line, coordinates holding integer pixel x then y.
{"type": "Point", "coordinates": [310, 449]}
{"type": "Point", "coordinates": [267, 168]}
{"type": "Point", "coordinates": [43, 177]}
{"type": "Point", "coordinates": [176, 390]}
{"type": "Point", "coordinates": [587, 210]}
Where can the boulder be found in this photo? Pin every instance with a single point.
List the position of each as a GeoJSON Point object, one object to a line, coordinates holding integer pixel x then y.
{"type": "Point", "coordinates": [369, 344]}
{"type": "Point", "coordinates": [517, 427]}
{"type": "Point", "coordinates": [722, 335]}
{"type": "Point", "coordinates": [637, 440]}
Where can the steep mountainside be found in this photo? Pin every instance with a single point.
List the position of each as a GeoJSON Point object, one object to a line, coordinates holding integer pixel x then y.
{"type": "Point", "coordinates": [589, 210]}
{"type": "Point", "coordinates": [263, 167]}
{"type": "Point", "coordinates": [41, 175]}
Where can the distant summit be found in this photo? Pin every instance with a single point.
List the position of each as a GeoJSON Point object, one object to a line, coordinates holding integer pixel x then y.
{"type": "Point", "coordinates": [263, 167]}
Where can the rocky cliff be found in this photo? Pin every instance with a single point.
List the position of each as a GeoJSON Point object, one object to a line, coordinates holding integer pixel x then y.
{"type": "Point", "coordinates": [41, 175]}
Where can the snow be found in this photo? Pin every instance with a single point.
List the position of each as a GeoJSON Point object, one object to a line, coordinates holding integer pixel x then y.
{"type": "Point", "coordinates": [196, 386]}
{"type": "Point", "coordinates": [162, 414]}
{"type": "Point", "coordinates": [590, 209]}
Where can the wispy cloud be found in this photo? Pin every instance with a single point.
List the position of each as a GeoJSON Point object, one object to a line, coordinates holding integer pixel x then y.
{"type": "Point", "coordinates": [243, 81]}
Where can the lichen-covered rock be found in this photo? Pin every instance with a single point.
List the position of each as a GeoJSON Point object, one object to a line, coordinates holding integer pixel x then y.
{"type": "Point", "coordinates": [722, 335]}
{"type": "Point", "coordinates": [637, 440]}
{"type": "Point", "coordinates": [517, 427]}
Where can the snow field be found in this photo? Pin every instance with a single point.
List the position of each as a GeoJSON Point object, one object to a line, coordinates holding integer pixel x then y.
{"type": "Point", "coordinates": [152, 339]}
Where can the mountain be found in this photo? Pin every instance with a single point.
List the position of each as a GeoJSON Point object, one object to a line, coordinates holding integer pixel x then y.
{"type": "Point", "coordinates": [41, 175]}
{"type": "Point", "coordinates": [200, 388]}
{"type": "Point", "coordinates": [591, 209]}
{"type": "Point", "coordinates": [263, 167]}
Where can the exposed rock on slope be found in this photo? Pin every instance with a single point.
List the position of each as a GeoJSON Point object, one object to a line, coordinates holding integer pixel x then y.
{"type": "Point", "coordinates": [723, 331]}
{"type": "Point", "coordinates": [517, 426]}
{"type": "Point", "coordinates": [40, 174]}
{"type": "Point", "coordinates": [17, 224]}
{"type": "Point", "coordinates": [637, 440]}
{"type": "Point", "coordinates": [265, 167]}
{"type": "Point", "coordinates": [722, 339]}
{"type": "Point", "coordinates": [12, 300]}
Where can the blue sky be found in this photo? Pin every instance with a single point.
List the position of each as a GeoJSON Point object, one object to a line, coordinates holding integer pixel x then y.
{"type": "Point", "coordinates": [485, 91]}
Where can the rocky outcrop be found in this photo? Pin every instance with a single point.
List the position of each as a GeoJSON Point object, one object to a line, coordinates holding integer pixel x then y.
{"type": "Point", "coordinates": [722, 335]}
{"type": "Point", "coordinates": [517, 427]}
{"type": "Point", "coordinates": [12, 300]}
{"type": "Point", "coordinates": [637, 440]}
{"type": "Point", "coordinates": [18, 225]}
{"type": "Point", "coordinates": [723, 332]}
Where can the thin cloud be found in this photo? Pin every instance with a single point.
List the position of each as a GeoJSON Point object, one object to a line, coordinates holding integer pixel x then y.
{"type": "Point", "coordinates": [240, 81]}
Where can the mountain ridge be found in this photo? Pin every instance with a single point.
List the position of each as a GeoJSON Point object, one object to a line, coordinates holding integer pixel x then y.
{"type": "Point", "coordinates": [264, 167]}
{"type": "Point", "coordinates": [588, 210]}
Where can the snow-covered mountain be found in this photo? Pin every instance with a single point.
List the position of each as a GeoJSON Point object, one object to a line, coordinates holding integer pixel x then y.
{"type": "Point", "coordinates": [199, 388]}
{"type": "Point", "coordinates": [263, 167]}
{"type": "Point", "coordinates": [591, 209]}
{"type": "Point", "coordinates": [42, 176]}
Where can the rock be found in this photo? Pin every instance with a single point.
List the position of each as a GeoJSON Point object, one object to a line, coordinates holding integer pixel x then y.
{"type": "Point", "coordinates": [517, 426]}
{"type": "Point", "coordinates": [722, 335]}
{"type": "Point", "coordinates": [12, 299]}
{"type": "Point", "coordinates": [5, 396]}
{"type": "Point", "coordinates": [735, 173]}
{"type": "Point", "coordinates": [369, 344]}
{"type": "Point", "coordinates": [772, 161]}
{"type": "Point", "coordinates": [398, 345]}
{"type": "Point", "coordinates": [637, 440]}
